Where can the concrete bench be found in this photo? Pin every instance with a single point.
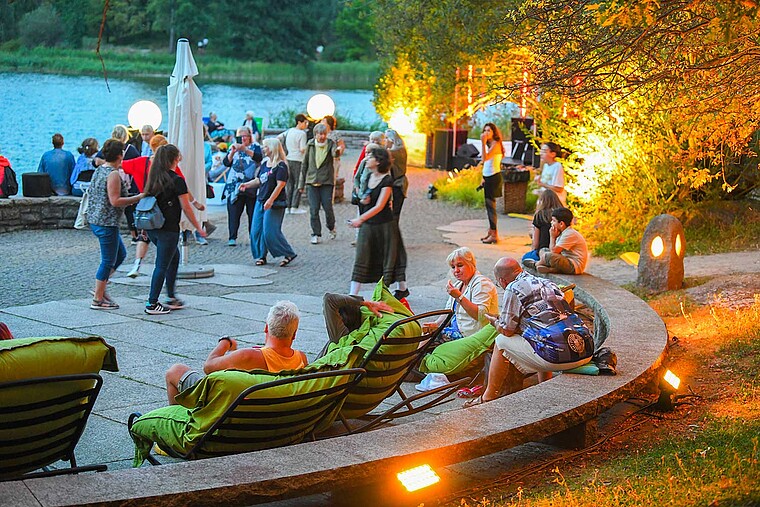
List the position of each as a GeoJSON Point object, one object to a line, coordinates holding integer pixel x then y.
{"type": "Point", "coordinates": [567, 405]}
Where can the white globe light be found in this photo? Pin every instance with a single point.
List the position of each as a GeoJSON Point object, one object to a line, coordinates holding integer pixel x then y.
{"type": "Point", "coordinates": [319, 106]}
{"type": "Point", "coordinates": [144, 112]}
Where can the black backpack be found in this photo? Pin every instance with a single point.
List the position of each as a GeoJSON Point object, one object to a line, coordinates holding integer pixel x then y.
{"type": "Point", "coordinates": [9, 186]}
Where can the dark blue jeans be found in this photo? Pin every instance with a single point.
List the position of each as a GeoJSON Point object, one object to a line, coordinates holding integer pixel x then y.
{"type": "Point", "coordinates": [235, 211]}
{"type": "Point", "coordinates": [167, 262]}
{"type": "Point", "coordinates": [112, 250]}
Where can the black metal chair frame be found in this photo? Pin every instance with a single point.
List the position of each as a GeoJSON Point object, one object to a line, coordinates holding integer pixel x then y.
{"type": "Point", "coordinates": [81, 409]}
{"type": "Point", "coordinates": [406, 406]}
{"type": "Point", "coordinates": [334, 396]}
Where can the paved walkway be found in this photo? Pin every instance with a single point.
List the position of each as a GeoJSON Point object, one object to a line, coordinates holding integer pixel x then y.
{"type": "Point", "coordinates": [46, 276]}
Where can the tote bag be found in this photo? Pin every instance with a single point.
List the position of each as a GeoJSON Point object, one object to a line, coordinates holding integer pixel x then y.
{"type": "Point", "coordinates": [81, 221]}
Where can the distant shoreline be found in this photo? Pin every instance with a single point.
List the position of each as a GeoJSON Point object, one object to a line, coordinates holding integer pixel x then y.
{"type": "Point", "coordinates": [212, 69]}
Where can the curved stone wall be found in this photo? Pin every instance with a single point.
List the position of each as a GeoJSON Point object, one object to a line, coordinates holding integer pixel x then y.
{"type": "Point", "coordinates": [624, 322]}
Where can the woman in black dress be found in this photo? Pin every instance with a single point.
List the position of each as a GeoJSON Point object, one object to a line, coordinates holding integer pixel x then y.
{"type": "Point", "coordinates": [378, 246]}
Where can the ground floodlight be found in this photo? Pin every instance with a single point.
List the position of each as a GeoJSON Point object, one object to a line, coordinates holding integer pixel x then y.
{"type": "Point", "coordinates": [418, 478]}
{"type": "Point", "coordinates": [668, 387]}
{"type": "Point", "coordinates": [319, 106]}
{"type": "Point", "coordinates": [144, 112]}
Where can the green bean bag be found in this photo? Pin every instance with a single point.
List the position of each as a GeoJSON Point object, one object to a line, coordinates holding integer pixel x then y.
{"type": "Point", "coordinates": [455, 356]}
{"type": "Point", "coordinates": [180, 427]}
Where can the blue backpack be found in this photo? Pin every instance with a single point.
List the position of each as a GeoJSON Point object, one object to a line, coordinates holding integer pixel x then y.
{"type": "Point", "coordinates": [148, 214]}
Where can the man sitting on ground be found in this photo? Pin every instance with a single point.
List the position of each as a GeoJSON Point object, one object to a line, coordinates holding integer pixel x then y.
{"type": "Point", "coordinates": [567, 252]}
{"type": "Point", "coordinates": [277, 354]}
{"type": "Point", "coordinates": [538, 332]}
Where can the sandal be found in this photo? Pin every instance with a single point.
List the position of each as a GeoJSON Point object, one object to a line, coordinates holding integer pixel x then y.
{"type": "Point", "coordinates": [103, 305]}
{"type": "Point", "coordinates": [473, 402]}
{"type": "Point", "coordinates": [287, 260]}
{"type": "Point", "coordinates": [261, 262]}
{"type": "Point", "coordinates": [470, 392]}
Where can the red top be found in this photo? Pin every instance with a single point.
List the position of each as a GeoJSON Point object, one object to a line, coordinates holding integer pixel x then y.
{"type": "Point", "coordinates": [138, 169]}
{"type": "Point", "coordinates": [361, 157]}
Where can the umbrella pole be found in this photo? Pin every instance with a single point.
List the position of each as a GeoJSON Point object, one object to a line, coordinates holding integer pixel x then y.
{"type": "Point", "coordinates": [186, 270]}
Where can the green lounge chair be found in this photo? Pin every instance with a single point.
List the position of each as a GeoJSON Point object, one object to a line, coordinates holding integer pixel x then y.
{"type": "Point", "coordinates": [395, 354]}
{"type": "Point", "coordinates": [265, 415]}
{"type": "Point", "coordinates": [41, 421]}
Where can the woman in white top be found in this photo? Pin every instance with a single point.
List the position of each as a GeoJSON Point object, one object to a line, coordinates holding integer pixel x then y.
{"type": "Point", "coordinates": [552, 173]}
{"type": "Point", "coordinates": [471, 296]}
{"type": "Point", "coordinates": [492, 151]}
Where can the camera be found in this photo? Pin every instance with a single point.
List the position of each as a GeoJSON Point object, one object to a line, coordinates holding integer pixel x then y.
{"type": "Point", "coordinates": [238, 139]}
{"type": "Point", "coordinates": [479, 188]}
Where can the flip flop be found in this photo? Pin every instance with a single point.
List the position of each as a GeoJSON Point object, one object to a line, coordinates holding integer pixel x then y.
{"type": "Point", "coordinates": [261, 262]}
{"type": "Point", "coordinates": [470, 392]}
{"type": "Point", "coordinates": [473, 402]}
{"type": "Point", "coordinates": [287, 260]}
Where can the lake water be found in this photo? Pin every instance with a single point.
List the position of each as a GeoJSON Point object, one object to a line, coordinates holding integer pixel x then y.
{"type": "Point", "coordinates": [33, 107]}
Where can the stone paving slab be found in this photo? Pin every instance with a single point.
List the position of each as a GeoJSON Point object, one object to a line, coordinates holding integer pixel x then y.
{"type": "Point", "coordinates": [119, 392]}
{"type": "Point", "coordinates": [26, 328]}
{"type": "Point", "coordinates": [68, 315]}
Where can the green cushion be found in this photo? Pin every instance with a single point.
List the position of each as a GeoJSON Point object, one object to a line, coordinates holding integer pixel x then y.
{"type": "Point", "coordinates": [376, 385]}
{"type": "Point", "coordinates": [454, 356]}
{"type": "Point", "coordinates": [23, 358]}
{"type": "Point", "coordinates": [181, 427]}
{"type": "Point", "coordinates": [586, 369]}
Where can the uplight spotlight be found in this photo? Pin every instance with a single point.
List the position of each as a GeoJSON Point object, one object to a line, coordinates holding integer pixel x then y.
{"type": "Point", "coordinates": [418, 478]}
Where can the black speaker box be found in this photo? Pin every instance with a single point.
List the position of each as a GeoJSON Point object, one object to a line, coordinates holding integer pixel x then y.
{"type": "Point", "coordinates": [444, 146]}
{"type": "Point", "coordinates": [36, 185]}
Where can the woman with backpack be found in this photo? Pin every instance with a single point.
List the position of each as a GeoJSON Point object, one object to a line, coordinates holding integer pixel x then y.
{"type": "Point", "coordinates": [172, 198]}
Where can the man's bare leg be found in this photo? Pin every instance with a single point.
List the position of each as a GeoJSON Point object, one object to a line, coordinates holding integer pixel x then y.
{"type": "Point", "coordinates": [173, 376]}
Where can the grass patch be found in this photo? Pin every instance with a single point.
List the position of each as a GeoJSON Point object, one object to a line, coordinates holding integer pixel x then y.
{"type": "Point", "coordinates": [156, 64]}
{"type": "Point", "coordinates": [718, 237]}
{"type": "Point", "coordinates": [460, 187]}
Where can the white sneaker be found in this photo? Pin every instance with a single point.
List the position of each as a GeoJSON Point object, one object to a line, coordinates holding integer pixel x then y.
{"type": "Point", "coordinates": [134, 272]}
{"type": "Point", "coordinates": [333, 234]}
{"type": "Point", "coordinates": [315, 239]}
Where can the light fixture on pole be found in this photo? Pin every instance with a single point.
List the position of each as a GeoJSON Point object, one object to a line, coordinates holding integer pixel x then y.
{"type": "Point", "coordinates": [669, 384]}
{"type": "Point", "coordinates": [144, 112]}
{"type": "Point", "coordinates": [319, 106]}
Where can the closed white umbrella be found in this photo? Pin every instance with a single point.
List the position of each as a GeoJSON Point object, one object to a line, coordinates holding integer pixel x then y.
{"type": "Point", "coordinates": [186, 125]}
{"type": "Point", "coordinates": [185, 131]}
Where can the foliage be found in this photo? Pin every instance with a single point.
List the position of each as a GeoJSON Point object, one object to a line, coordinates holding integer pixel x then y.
{"type": "Point", "coordinates": [345, 75]}
{"type": "Point", "coordinates": [246, 29]}
{"type": "Point", "coordinates": [354, 32]}
{"type": "Point", "coordinates": [42, 26]}
{"type": "Point", "coordinates": [461, 187]}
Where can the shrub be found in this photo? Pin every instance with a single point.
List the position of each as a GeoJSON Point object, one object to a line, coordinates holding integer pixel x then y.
{"type": "Point", "coordinates": [41, 27]}
{"type": "Point", "coordinates": [460, 187]}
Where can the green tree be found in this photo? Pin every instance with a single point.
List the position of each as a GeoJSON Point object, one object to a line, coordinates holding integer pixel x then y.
{"type": "Point", "coordinates": [354, 32]}
{"type": "Point", "coordinates": [42, 26]}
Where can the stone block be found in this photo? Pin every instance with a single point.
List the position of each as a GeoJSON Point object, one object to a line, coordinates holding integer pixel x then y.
{"type": "Point", "coordinates": [579, 436]}
{"type": "Point", "coordinates": [661, 255]}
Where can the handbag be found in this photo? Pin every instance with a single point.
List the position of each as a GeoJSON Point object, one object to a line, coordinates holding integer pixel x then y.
{"type": "Point", "coordinates": [148, 214]}
{"type": "Point", "coordinates": [210, 191]}
{"type": "Point", "coordinates": [81, 220]}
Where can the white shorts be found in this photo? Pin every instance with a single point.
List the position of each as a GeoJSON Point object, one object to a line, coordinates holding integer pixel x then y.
{"type": "Point", "coordinates": [518, 351]}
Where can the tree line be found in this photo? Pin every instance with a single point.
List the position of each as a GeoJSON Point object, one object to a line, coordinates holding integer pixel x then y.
{"type": "Point", "coordinates": [259, 30]}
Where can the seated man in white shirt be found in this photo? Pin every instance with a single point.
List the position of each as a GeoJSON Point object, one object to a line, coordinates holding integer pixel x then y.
{"type": "Point", "coordinates": [567, 252]}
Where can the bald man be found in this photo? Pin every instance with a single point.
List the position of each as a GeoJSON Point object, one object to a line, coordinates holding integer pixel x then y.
{"type": "Point", "coordinates": [538, 331]}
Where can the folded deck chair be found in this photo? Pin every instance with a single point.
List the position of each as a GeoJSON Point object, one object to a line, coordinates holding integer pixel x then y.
{"type": "Point", "coordinates": [48, 387]}
{"type": "Point", "coordinates": [41, 420]}
{"type": "Point", "coordinates": [392, 358]}
{"type": "Point", "coordinates": [265, 415]}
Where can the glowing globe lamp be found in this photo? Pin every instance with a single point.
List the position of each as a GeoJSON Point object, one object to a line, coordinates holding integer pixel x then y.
{"type": "Point", "coordinates": [144, 112]}
{"type": "Point", "coordinates": [319, 106]}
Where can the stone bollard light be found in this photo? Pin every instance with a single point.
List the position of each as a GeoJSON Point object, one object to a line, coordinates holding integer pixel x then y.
{"type": "Point", "coordinates": [661, 255]}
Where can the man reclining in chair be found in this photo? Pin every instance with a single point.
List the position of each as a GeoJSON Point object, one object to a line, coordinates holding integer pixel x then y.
{"type": "Point", "coordinates": [538, 332]}
{"type": "Point", "coordinates": [277, 353]}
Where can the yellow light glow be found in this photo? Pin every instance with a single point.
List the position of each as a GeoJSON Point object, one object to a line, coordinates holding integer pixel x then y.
{"type": "Point", "coordinates": [319, 106]}
{"type": "Point", "coordinates": [404, 121]}
{"type": "Point", "coordinates": [144, 112]}
{"type": "Point", "coordinates": [418, 477]}
{"type": "Point", "coordinates": [679, 245]}
{"type": "Point", "coordinates": [672, 379]}
{"type": "Point", "coordinates": [657, 247]}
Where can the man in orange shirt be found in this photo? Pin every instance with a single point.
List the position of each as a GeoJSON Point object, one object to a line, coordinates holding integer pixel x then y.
{"type": "Point", "coordinates": [277, 353]}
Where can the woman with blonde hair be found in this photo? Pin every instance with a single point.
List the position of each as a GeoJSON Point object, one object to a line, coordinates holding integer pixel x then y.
{"type": "Point", "coordinates": [266, 227]}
